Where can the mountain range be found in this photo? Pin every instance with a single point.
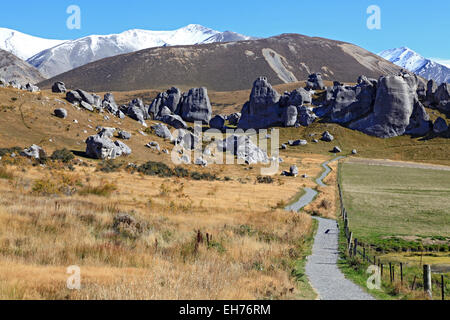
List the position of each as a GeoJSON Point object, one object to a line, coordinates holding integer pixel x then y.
{"type": "Point", "coordinates": [229, 66]}
{"type": "Point", "coordinates": [53, 57]}
{"type": "Point", "coordinates": [414, 62]}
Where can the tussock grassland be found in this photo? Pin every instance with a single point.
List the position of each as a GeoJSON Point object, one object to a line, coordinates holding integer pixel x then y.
{"type": "Point", "coordinates": [53, 218]}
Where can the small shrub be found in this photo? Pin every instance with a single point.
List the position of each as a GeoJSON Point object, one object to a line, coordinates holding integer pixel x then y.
{"type": "Point", "coordinates": [109, 166]}
{"type": "Point", "coordinates": [103, 190]}
{"type": "Point", "coordinates": [44, 187]}
{"type": "Point", "coordinates": [127, 226]}
{"type": "Point", "coordinates": [152, 168]}
{"type": "Point", "coordinates": [264, 179]}
{"type": "Point", "coordinates": [181, 172]}
{"type": "Point", "coordinates": [5, 151]}
{"type": "Point", "coordinates": [325, 204]}
{"type": "Point", "coordinates": [6, 174]}
{"type": "Point", "coordinates": [62, 155]}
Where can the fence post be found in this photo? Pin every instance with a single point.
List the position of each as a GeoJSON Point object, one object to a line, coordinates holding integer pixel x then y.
{"type": "Point", "coordinates": [401, 272]}
{"type": "Point", "coordinates": [442, 287]}
{"type": "Point", "coordinates": [364, 254]}
{"type": "Point", "coordinates": [427, 280]}
{"type": "Point", "coordinates": [393, 273]}
{"type": "Point", "coordinates": [350, 240]}
{"type": "Point", "coordinates": [390, 271]}
{"type": "Point", "coordinates": [355, 248]}
{"type": "Point", "coordinates": [382, 267]}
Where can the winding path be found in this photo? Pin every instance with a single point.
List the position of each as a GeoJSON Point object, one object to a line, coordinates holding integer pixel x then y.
{"type": "Point", "coordinates": [321, 267]}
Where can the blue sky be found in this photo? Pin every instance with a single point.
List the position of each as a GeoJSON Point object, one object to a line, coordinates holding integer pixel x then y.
{"type": "Point", "coordinates": [423, 26]}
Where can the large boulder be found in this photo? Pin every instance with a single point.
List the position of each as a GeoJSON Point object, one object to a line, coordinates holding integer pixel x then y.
{"type": "Point", "coordinates": [59, 87]}
{"type": "Point", "coordinates": [86, 97]}
{"type": "Point", "coordinates": [162, 131]}
{"type": "Point", "coordinates": [170, 99]}
{"type": "Point", "coordinates": [440, 126]}
{"type": "Point", "coordinates": [305, 116]}
{"type": "Point", "coordinates": [327, 137]}
{"type": "Point", "coordinates": [296, 98]}
{"type": "Point", "coordinates": [136, 110]}
{"type": "Point", "coordinates": [187, 140]}
{"type": "Point", "coordinates": [195, 106]}
{"type": "Point", "coordinates": [34, 152]}
{"type": "Point", "coordinates": [393, 107]}
{"type": "Point", "coordinates": [442, 93]}
{"type": "Point", "coordinates": [431, 90]}
{"type": "Point", "coordinates": [419, 122]}
{"type": "Point", "coordinates": [315, 82]}
{"type": "Point", "coordinates": [109, 104]}
{"type": "Point", "coordinates": [218, 122]}
{"type": "Point", "coordinates": [60, 113]}
{"type": "Point", "coordinates": [243, 148]}
{"type": "Point", "coordinates": [350, 103]}
{"type": "Point", "coordinates": [262, 110]}
{"type": "Point", "coordinates": [31, 88]}
{"type": "Point", "coordinates": [102, 147]}
{"type": "Point", "coordinates": [233, 119]}
{"type": "Point", "coordinates": [290, 116]}
{"type": "Point", "coordinates": [73, 97]}
{"type": "Point", "coordinates": [174, 121]}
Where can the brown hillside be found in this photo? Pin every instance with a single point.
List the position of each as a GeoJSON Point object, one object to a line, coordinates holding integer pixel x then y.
{"type": "Point", "coordinates": [228, 66]}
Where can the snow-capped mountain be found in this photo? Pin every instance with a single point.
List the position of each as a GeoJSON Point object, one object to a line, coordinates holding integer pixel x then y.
{"type": "Point", "coordinates": [23, 45]}
{"type": "Point", "coordinates": [75, 53]}
{"type": "Point", "coordinates": [228, 36]}
{"type": "Point", "coordinates": [414, 62]}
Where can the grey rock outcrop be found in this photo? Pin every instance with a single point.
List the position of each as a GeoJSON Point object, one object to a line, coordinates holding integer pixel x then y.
{"type": "Point", "coordinates": [124, 135]}
{"type": "Point", "coordinates": [336, 150]}
{"type": "Point", "coordinates": [306, 116]}
{"type": "Point", "coordinates": [59, 87]}
{"type": "Point", "coordinates": [243, 148]}
{"type": "Point", "coordinates": [419, 122]}
{"type": "Point", "coordinates": [174, 121]}
{"type": "Point", "coordinates": [60, 113]}
{"type": "Point", "coordinates": [262, 110]}
{"type": "Point", "coordinates": [170, 99]}
{"type": "Point", "coordinates": [393, 107]}
{"type": "Point", "coordinates": [104, 148]}
{"type": "Point", "coordinates": [73, 97]}
{"type": "Point", "coordinates": [296, 98]}
{"type": "Point", "coordinates": [86, 106]}
{"type": "Point", "coordinates": [290, 116]}
{"type": "Point", "coordinates": [315, 82]}
{"type": "Point", "coordinates": [187, 139]}
{"type": "Point", "coordinates": [440, 126]}
{"type": "Point", "coordinates": [195, 106]}
{"type": "Point", "coordinates": [233, 119]}
{"type": "Point", "coordinates": [136, 110]}
{"type": "Point", "coordinates": [327, 137]}
{"type": "Point", "coordinates": [162, 131]}
{"type": "Point", "coordinates": [218, 122]}
{"type": "Point", "coordinates": [35, 152]}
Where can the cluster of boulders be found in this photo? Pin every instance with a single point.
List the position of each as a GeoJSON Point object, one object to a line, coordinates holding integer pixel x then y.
{"type": "Point", "coordinates": [16, 85]}
{"type": "Point", "coordinates": [101, 146]}
{"type": "Point", "coordinates": [388, 107]}
{"type": "Point", "coordinates": [267, 108]}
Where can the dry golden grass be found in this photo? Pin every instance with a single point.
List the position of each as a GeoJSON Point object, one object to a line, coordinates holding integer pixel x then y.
{"type": "Point", "coordinates": [324, 204]}
{"type": "Point", "coordinates": [252, 253]}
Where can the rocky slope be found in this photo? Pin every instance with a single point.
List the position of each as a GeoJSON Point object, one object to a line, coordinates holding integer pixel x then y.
{"type": "Point", "coordinates": [14, 69]}
{"type": "Point", "coordinates": [228, 66]}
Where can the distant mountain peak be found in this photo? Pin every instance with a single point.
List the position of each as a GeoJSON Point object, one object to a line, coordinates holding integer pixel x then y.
{"type": "Point", "coordinates": [410, 60]}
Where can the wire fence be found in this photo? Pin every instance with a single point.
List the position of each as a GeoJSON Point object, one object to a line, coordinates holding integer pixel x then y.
{"type": "Point", "coordinates": [400, 273]}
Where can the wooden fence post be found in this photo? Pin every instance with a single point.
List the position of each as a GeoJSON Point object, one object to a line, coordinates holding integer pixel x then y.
{"type": "Point", "coordinates": [427, 280]}
{"type": "Point", "coordinates": [390, 271]}
{"type": "Point", "coordinates": [442, 287]}
{"type": "Point", "coordinates": [355, 248]}
{"type": "Point", "coordinates": [401, 272]}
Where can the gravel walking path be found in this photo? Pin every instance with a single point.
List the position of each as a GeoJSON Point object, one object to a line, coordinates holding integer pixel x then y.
{"type": "Point", "coordinates": [321, 267]}
{"type": "Point", "coordinates": [322, 270]}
